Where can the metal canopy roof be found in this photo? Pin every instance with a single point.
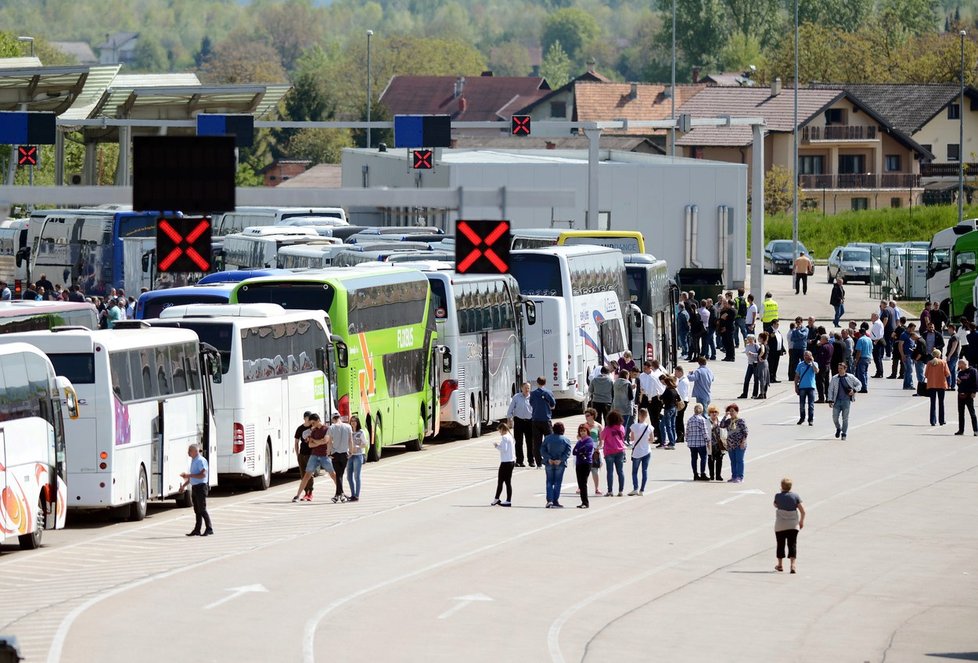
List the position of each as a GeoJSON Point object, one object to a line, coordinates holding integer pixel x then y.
{"type": "Point", "coordinates": [37, 88]}
{"type": "Point", "coordinates": [99, 79]}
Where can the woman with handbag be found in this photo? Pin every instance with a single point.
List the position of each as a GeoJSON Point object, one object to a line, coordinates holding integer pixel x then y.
{"type": "Point", "coordinates": [640, 436]}
{"type": "Point", "coordinates": [736, 442]}
{"type": "Point", "coordinates": [613, 447]}
{"type": "Point", "coordinates": [967, 386]}
{"type": "Point", "coordinates": [583, 454]}
{"type": "Point", "coordinates": [718, 444]}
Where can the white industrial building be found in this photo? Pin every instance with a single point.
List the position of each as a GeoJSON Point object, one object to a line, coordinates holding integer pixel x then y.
{"type": "Point", "coordinates": [692, 212]}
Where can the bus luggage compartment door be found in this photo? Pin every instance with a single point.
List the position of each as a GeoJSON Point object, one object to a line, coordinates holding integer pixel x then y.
{"type": "Point", "coordinates": [176, 431]}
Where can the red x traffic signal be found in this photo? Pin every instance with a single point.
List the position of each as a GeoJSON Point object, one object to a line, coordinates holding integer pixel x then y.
{"type": "Point", "coordinates": [521, 125]}
{"type": "Point", "coordinates": [423, 159]}
{"type": "Point", "coordinates": [27, 155]}
{"type": "Point", "coordinates": [482, 247]}
{"type": "Point", "coordinates": [183, 244]}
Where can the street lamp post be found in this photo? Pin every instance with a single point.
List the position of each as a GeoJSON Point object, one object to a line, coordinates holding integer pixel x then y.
{"type": "Point", "coordinates": [961, 137]}
{"type": "Point", "coordinates": [672, 92]}
{"type": "Point", "coordinates": [794, 188]}
{"type": "Point", "coordinates": [370, 33]}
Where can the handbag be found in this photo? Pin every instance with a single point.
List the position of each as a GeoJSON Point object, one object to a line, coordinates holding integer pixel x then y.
{"type": "Point", "coordinates": [596, 458]}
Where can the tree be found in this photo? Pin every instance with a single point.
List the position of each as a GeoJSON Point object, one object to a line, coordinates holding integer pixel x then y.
{"type": "Point", "coordinates": [202, 55]}
{"type": "Point", "coordinates": [510, 58]}
{"type": "Point", "coordinates": [292, 27]}
{"type": "Point", "coordinates": [908, 17]}
{"type": "Point", "coordinates": [150, 54]}
{"type": "Point", "coordinates": [848, 15]}
{"type": "Point", "coordinates": [701, 30]}
{"type": "Point", "coordinates": [320, 145]}
{"type": "Point", "coordinates": [753, 18]}
{"type": "Point", "coordinates": [240, 59]}
{"type": "Point", "coordinates": [778, 193]}
{"type": "Point", "coordinates": [573, 28]}
{"type": "Point", "coordinates": [556, 66]}
{"type": "Point", "coordinates": [741, 52]}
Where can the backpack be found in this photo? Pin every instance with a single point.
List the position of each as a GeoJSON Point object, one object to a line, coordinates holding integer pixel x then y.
{"type": "Point", "coordinates": [741, 307]}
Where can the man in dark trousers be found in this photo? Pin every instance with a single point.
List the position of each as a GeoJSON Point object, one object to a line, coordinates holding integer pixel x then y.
{"type": "Point", "coordinates": [797, 346]}
{"type": "Point", "coordinates": [197, 479]}
{"type": "Point", "coordinates": [775, 345]}
{"type": "Point", "coordinates": [727, 327]}
{"type": "Point", "coordinates": [542, 404]}
{"type": "Point", "coordinates": [837, 300]}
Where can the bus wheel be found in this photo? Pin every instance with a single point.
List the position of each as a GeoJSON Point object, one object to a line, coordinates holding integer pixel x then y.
{"type": "Point", "coordinates": [137, 510]}
{"type": "Point", "coordinates": [375, 451]}
{"type": "Point", "coordinates": [184, 500]}
{"type": "Point", "coordinates": [418, 444]}
{"type": "Point", "coordinates": [265, 480]}
{"type": "Point", "coordinates": [32, 541]}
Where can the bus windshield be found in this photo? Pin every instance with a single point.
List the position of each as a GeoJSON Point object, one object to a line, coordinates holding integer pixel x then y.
{"type": "Point", "coordinates": [638, 286]}
{"type": "Point", "coordinates": [308, 296]}
{"type": "Point", "coordinates": [218, 335]}
{"type": "Point", "coordinates": [537, 274]}
{"type": "Point", "coordinates": [155, 306]}
{"type": "Point", "coordinates": [439, 300]}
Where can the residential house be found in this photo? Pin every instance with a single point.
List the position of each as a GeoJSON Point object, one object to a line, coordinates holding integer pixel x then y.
{"type": "Point", "coordinates": [79, 50]}
{"type": "Point", "coordinates": [850, 156]}
{"type": "Point", "coordinates": [118, 48]}
{"type": "Point", "coordinates": [931, 115]}
{"type": "Point", "coordinates": [485, 98]}
{"type": "Point", "coordinates": [282, 170]}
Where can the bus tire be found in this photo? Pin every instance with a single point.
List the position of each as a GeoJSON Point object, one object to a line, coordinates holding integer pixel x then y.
{"type": "Point", "coordinates": [263, 481]}
{"type": "Point", "coordinates": [137, 510]}
{"type": "Point", "coordinates": [477, 418]}
{"type": "Point", "coordinates": [32, 541]}
{"type": "Point", "coordinates": [418, 444]}
{"type": "Point", "coordinates": [376, 450]}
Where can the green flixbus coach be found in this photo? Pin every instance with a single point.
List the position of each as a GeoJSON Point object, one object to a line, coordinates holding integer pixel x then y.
{"type": "Point", "coordinates": [384, 316]}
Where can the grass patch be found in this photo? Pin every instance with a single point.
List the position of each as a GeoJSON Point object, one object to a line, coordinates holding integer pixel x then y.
{"type": "Point", "coordinates": [821, 234]}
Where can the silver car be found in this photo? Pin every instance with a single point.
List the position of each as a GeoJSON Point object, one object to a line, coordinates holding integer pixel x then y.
{"type": "Point", "coordinates": [851, 263]}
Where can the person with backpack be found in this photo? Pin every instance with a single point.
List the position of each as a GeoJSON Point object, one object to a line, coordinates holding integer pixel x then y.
{"type": "Point", "coordinates": [639, 437]}
{"type": "Point", "coordinates": [622, 397]}
{"type": "Point", "coordinates": [740, 305]}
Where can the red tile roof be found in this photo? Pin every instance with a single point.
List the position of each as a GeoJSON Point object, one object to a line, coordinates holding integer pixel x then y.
{"type": "Point", "coordinates": [614, 101]}
{"type": "Point", "coordinates": [483, 98]}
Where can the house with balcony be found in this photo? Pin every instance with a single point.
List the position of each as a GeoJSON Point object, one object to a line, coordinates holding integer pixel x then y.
{"type": "Point", "coordinates": [850, 156]}
{"type": "Point", "coordinates": [932, 116]}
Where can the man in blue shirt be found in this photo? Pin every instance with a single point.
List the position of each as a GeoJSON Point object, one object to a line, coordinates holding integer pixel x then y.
{"type": "Point", "coordinates": [556, 449]}
{"type": "Point", "coordinates": [797, 344]}
{"type": "Point", "coordinates": [862, 355]}
{"type": "Point", "coordinates": [197, 478]}
{"type": "Point", "coordinates": [702, 379]}
{"type": "Point", "coordinates": [542, 404]}
{"type": "Point", "coordinates": [805, 386]}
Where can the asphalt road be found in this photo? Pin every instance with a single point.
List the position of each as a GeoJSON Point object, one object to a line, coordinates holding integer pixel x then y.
{"type": "Point", "coordinates": [423, 569]}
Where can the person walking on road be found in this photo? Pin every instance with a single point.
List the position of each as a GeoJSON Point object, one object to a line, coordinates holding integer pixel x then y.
{"type": "Point", "coordinates": [507, 461]}
{"type": "Point", "coordinates": [613, 447]}
{"type": "Point", "coordinates": [361, 441]}
{"type": "Point", "coordinates": [640, 436]}
{"type": "Point", "coordinates": [877, 337]}
{"type": "Point", "coordinates": [302, 450]}
{"type": "Point", "coordinates": [341, 438]}
{"type": "Point", "coordinates": [520, 417]}
{"type": "Point", "coordinates": [751, 349]}
{"type": "Point", "coordinates": [837, 299]}
{"type": "Point", "coordinates": [823, 357]}
{"type": "Point", "coordinates": [842, 391]}
{"type": "Point", "coordinates": [624, 395]}
{"type": "Point", "coordinates": [718, 444]}
{"type": "Point", "coordinates": [790, 518]}
{"type": "Point", "coordinates": [805, 376]}
{"type": "Point", "coordinates": [319, 450]}
{"type": "Point", "coordinates": [775, 343]}
{"type": "Point", "coordinates": [583, 456]}
{"type": "Point", "coordinates": [862, 355]}
{"type": "Point", "coordinates": [698, 443]}
{"type": "Point", "coordinates": [750, 320]}
{"type": "Point", "coordinates": [803, 268]}
{"type": "Point", "coordinates": [555, 450]}
{"type": "Point", "coordinates": [967, 387]}
{"type": "Point", "coordinates": [196, 478]}
{"type": "Point", "coordinates": [936, 373]}
{"type": "Point", "coordinates": [702, 380]}
{"type": "Point", "coordinates": [602, 392]}
{"type": "Point", "coordinates": [736, 442]}
{"type": "Point", "coordinates": [542, 405]}
{"type": "Point", "coordinates": [797, 344]}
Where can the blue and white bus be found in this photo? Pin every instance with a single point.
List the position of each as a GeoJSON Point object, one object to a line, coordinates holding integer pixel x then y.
{"type": "Point", "coordinates": [86, 247]}
{"type": "Point", "coordinates": [151, 304]}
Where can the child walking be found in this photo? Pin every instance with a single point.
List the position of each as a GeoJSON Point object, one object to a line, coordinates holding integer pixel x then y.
{"type": "Point", "coordinates": [507, 461]}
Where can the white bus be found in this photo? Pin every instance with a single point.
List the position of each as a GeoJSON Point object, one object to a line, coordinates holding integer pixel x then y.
{"type": "Point", "coordinates": [33, 494]}
{"type": "Point", "coordinates": [257, 247]}
{"type": "Point", "coordinates": [144, 400]}
{"type": "Point", "coordinates": [651, 325]}
{"type": "Point", "coordinates": [579, 293]}
{"type": "Point", "coordinates": [275, 365]}
{"type": "Point", "coordinates": [14, 254]}
{"type": "Point", "coordinates": [478, 318]}
{"type": "Point", "coordinates": [313, 255]}
{"type": "Point", "coordinates": [242, 217]}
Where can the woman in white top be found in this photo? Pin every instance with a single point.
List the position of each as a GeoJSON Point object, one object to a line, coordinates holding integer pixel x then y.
{"type": "Point", "coordinates": [640, 436]}
{"type": "Point", "coordinates": [507, 461]}
{"type": "Point", "coordinates": [361, 440]}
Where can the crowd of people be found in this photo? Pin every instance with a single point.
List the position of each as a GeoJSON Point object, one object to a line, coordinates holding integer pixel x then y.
{"type": "Point", "coordinates": [113, 307]}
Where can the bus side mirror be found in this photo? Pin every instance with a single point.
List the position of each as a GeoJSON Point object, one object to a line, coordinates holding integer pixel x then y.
{"type": "Point", "coordinates": [342, 354]}
{"type": "Point", "coordinates": [22, 256]}
{"type": "Point", "coordinates": [145, 261]}
{"type": "Point", "coordinates": [71, 402]}
{"type": "Point", "coordinates": [214, 368]}
{"type": "Point", "coordinates": [531, 312]}
{"type": "Point", "coordinates": [446, 359]}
